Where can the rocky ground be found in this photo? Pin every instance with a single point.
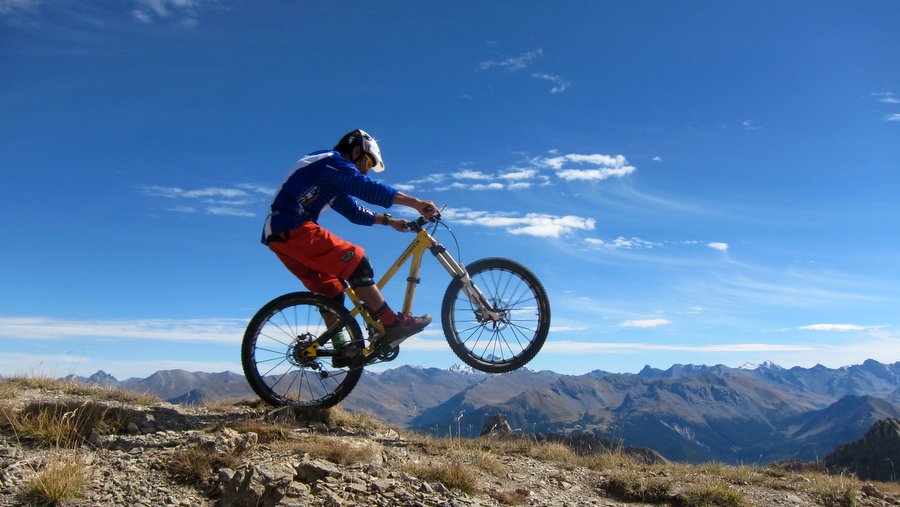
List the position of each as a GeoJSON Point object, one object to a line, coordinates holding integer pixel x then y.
{"type": "Point", "coordinates": [140, 452]}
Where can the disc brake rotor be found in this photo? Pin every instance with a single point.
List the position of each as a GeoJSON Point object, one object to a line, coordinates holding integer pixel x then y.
{"type": "Point", "coordinates": [298, 353]}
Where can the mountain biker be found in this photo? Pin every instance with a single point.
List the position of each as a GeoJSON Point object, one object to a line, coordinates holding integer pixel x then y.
{"type": "Point", "coordinates": [320, 259]}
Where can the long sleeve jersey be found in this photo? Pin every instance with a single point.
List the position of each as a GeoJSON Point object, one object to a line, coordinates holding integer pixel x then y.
{"type": "Point", "coordinates": [320, 180]}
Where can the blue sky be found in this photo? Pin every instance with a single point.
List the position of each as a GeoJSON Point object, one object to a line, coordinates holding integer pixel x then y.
{"type": "Point", "coordinates": [694, 182]}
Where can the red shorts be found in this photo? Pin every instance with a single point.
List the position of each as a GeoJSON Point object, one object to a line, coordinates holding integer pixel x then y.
{"type": "Point", "coordinates": [318, 258]}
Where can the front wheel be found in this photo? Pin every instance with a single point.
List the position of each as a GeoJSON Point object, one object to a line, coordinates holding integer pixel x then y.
{"type": "Point", "coordinates": [276, 353]}
{"type": "Point", "coordinates": [514, 329]}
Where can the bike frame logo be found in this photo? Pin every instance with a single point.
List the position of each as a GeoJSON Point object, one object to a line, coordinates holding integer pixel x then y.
{"type": "Point", "coordinates": [409, 251]}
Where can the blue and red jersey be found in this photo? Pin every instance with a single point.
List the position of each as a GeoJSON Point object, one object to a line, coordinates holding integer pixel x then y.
{"type": "Point", "coordinates": [321, 180]}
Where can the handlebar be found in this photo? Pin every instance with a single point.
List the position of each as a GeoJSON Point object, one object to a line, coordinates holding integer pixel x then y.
{"type": "Point", "coordinates": [415, 225]}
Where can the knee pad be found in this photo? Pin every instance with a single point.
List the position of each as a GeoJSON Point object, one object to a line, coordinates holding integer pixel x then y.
{"type": "Point", "coordinates": [363, 275]}
{"type": "Point", "coordinates": [339, 299]}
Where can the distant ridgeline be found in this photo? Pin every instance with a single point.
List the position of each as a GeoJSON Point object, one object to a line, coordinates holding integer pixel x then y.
{"type": "Point", "coordinates": [686, 413]}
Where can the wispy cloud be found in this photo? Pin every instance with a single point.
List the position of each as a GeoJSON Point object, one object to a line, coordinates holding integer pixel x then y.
{"type": "Point", "coordinates": [839, 328]}
{"type": "Point", "coordinates": [524, 61]}
{"type": "Point", "coordinates": [892, 117]}
{"type": "Point", "coordinates": [59, 365]}
{"type": "Point", "coordinates": [185, 12]}
{"type": "Point", "coordinates": [718, 246]}
{"type": "Point", "coordinates": [886, 97]}
{"type": "Point", "coordinates": [471, 175]}
{"type": "Point", "coordinates": [236, 201]}
{"type": "Point", "coordinates": [530, 224]}
{"type": "Point", "coordinates": [559, 84]}
{"type": "Point", "coordinates": [623, 243]}
{"type": "Point", "coordinates": [749, 125]}
{"type": "Point", "coordinates": [645, 323]}
{"type": "Point", "coordinates": [779, 289]}
{"type": "Point", "coordinates": [47, 328]}
{"type": "Point", "coordinates": [17, 6]}
{"type": "Point", "coordinates": [515, 63]}
{"type": "Point", "coordinates": [600, 167]}
{"type": "Point", "coordinates": [535, 172]}
{"type": "Point", "coordinates": [573, 347]}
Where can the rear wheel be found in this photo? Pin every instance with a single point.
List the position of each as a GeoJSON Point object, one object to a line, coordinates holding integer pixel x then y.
{"type": "Point", "coordinates": [277, 359]}
{"type": "Point", "coordinates": [515, 332]}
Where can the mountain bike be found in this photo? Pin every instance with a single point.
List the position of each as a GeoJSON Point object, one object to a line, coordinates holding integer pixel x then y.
{"type": "Point", "coordinates": [495, 316]}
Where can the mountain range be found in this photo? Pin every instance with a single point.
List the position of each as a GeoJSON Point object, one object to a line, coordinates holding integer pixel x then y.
{"type": "Point", "coordinates": [752, 414]}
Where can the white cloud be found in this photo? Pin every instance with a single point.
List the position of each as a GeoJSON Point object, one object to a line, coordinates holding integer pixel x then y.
{"type": "Point", "coordinates": [893, 117]}
{"type": "Point", "coordinates": [573, 347]}
{"type": "Point", "coordinates": [624, 243]}
{"type": "Point", "coordinates": [184, 12]}
{"type": "Point", "coordinates": [749, 125]}
{"type": "Point", "coordinates": [609, 166]}
{"type": "Point", "coordinates": [594, 174]}
{"type": "Point", "coordinates": [519, 174]}
{"type": "Point", "coordinates": [718, 246]}
{"type": "Point", "coordinates": [236, 201]}
{"type": "Point", "coordinates": [657, 159]}
{"type": "Point", "coordinates": [435, 178]}
{"type": "Point", "coordinates": [570, 167]}
{"type": "Point", "coordinates": [511, 180]}
{"type": "Point", "coordinates": [11, 6]}
{"type": "Point", "coordinates": [175, 192]}
{"type": "Point", "coordinates": [595, 159]}
{"type": "Point", "coordinates": [182, 209]}
{"type": "Point", "coordinates": [568, 329]}
{"type": "Point", "coordinates": [531, 224]}
{"type": "Point", "coordinates": [513, 64]}
{"type": "Point", "coordinates": [645, 323]}
{"type": "Point", "coordinates": [60, 365]}
{"type": "Point", "coordinates": [559, 84]}
{"type": "Point", "coordinates": [488, 186]}
{"type": "Point", "coordinates": [471, 175]}
{"type": "Point", "coordinates": [839, 328]}
{"type": "Point", "coordinates": [886, 97]}
{"type": "Point", "coordinates": [47, 328]}
{"type": "Point", "coordinates": [142, 16]}
{"type": "Point", "coordinates": [229, 211]}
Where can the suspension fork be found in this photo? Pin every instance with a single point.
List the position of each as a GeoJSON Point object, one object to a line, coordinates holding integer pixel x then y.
{"type": "Point", "coordinates": [457, 270]}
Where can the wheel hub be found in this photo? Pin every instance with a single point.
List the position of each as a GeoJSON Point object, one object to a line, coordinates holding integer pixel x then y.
{"type": "Point", "coordinates": [499, 308]}
{"type": "Point", "coordinates": [297, 352]}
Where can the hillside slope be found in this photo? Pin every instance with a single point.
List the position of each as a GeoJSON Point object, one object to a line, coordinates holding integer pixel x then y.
{"type": "Point", "coordinates": [141, 452]}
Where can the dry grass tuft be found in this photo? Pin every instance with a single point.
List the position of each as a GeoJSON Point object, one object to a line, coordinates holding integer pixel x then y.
{"type": "Point", "coordinates": [61, 481]}
{"type": "Point", "coordinates": [832, 491]}
{"type": "Point", "coordinates": [710, 494]}
{"type": "Point", "coordinates": [197, 464]}
{"type": "Point", "coordinates": [58, 425]}
{"type": "Point", "coordinates": [510, 497]}
{"type": "Point", "coordinates": [9, 386]}
{"type": "Point", "coordinates": [267, 432]}
{"type": "Point", "coordinates": [335, 449]}
{"type": "Point", "coordinates": [359, 421]}
{"type": "Point", "coordinates": [631, 485]}
{"type": "Point", "coordinates": [452, 475]}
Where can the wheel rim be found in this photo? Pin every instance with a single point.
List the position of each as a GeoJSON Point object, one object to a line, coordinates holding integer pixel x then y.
{"type": "Point", "coordinates": [503, 340]}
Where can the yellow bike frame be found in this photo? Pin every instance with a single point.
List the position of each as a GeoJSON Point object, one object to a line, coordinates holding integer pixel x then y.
{"type": "Point", "coordinates": [414, 252]}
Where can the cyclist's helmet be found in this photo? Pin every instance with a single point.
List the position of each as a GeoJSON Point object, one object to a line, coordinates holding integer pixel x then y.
{"type": "Point", "coordinates": [369, 147]}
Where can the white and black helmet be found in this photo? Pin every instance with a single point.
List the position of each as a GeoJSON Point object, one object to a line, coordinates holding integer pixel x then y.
{"type": "Point", "coordinates": [368, 144]}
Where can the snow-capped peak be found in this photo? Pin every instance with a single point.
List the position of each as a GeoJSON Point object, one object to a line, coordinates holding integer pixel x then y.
{"type": "Point", "coordinates": [459, 368]}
